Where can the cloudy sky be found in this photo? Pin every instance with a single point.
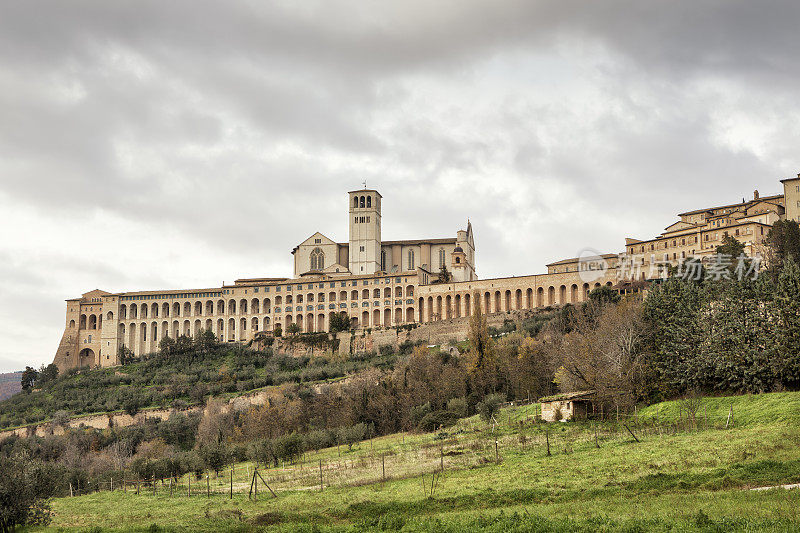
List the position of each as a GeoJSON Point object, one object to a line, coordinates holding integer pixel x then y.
{"type": "Point", "coordinates": [148, 145]}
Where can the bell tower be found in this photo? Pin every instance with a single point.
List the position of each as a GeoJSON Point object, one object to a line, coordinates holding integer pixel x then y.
{"type": "Point", "coordinates": [365, 232]}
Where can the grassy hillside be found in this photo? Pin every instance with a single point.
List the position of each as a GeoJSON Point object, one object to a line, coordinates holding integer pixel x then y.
{"type": "Point", "coordinates": [675, 479]}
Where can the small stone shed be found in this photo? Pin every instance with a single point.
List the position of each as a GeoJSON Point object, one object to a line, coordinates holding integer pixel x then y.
{"type": "Point", "coordinates": [571, 406]}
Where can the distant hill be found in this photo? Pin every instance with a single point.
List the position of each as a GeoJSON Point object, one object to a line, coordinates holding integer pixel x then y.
{"type": "Point", "coordinates": [10, 384]}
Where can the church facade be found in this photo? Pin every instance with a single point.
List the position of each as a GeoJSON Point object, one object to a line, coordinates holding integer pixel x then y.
{"type": "Point", "coordinates": [383, 283]}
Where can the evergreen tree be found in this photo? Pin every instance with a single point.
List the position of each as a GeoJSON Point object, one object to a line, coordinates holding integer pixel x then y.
{"type": "Point", "coordinates": [482, 366]}
{"type": "Point", "coordinates": [29, 377]}
{"type": "Point", "coordinates": [673, 312]}
{"type": "Point", "coordinates": [783, 242]}
{"type": "Point", "coordinates": [787, 311]}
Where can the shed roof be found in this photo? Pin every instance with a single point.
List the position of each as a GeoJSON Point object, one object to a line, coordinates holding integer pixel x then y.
{"type": "Point", "coordinates": [577, 395]}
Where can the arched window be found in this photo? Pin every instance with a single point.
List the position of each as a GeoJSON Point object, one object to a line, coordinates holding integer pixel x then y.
{"type": "Point", "coordinates": [355, 201]}
{"type": "Point", "coordinates": [361, 202]}
{"type": "Point", "coordinates": [369, 201]}
{"type": "Point", "coordinates": [383, 260]}
{"type": "Point", "coordinates": [411, 260]}
{"type": "Point", "coordinates": [317, 259]}
{"type": "Point", "coordinates": [441, 257]}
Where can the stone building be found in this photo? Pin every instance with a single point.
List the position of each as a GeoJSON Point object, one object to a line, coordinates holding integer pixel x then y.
{"type": "Point", "coordinates": [380, 283]}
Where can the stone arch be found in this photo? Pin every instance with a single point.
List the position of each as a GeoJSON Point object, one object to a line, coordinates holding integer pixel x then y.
{"type": "Point", "coordinates": [551, 295]}
{"type": "Point", "coordinates": [585, 291]}
{"type": "Point", "coordinates": [242, 328]}
{"type": "Point", "coordinates": [220, 328]}
{"type": "Point", "coordinates": [265, 323]}
{"type": "Point", "coordinates": [574, 293]}
{"type": "Point", "coordinates": [320, 322]}
{"type": "Point", "coordinates": [176, 309]}
{"type": "Point", "coordinates": [562, 294]}
{"type": "Point", "coordinates": [86, 357]}
{"type": "Point", "coordinates": [457, 306]}
{"type": "Point", "coordinates": [187, 309]}
{"type": "Point", "coordinates": [387, 292]}
{"type": "Point", "coordinates": [209, 324]}
{"type": "Point", "coordinates": [92, 321]}
{"type": "Point", "coordinates": [198, 309]}
{"type": "Point", "coordinates": [518, 299]}
{"type": "Point", "coordinates": [187, 328]}
{"type": "Point", "coordinates": [487, 303]}
{"type": "Point", "coordinates": [209, 307]}
{"type": "Point", "coordinates": [365, 319]}
{"type": "Point", "coordinates": [398, 315]}
{"type": "Point", "coordinates": [376, 293]}
{"type": "Point", "coordinates": [231, 307]}
{"type": "Point", "coordinates": [154, 310]}
{"type": "Point", "coordinates": [242, 306]}
{"type": "Point", "coordinates": [72, 323]}
{"type": "Point", "coordinates": [438, 308]}
{"type": "Point", "coordinates": [369, 201]}
{"type": "Point", "coordinates": [376, 317]}
{"type": "Point", "coordinates": [387, 317]}
{"type": "Point", "coordinates": [255, 306]}
{"type": "Point", "coordinates": [361, 202]}
{"type": "Point", "coordinates": [110, 316]}
{"type": "Point", "coordinates": [254, 323]}
{"type": "Point", "coordinates": [529, 298]}
{"type": "Point", "coordinates": [279, 300]}
{"type": "Point", "coordinates": [154, 332]}
{"type": "Point", "coordinates": [309, 322]}
{"type": "Point", "coordinates": [121, 333]}
{"type": "Point", "coordinates": [540, 297]}
{"type": "Point", "coordinates": [197, 326]}
{"type": "Point", "coordinates": [448, 305]}
{"type": "Point", "coordinates": [165, 310]}
{"type": "Point", "coordinates": [409, 314]}
{"type": "Point", "coordinates": [365, 294]}
{"type": "Point", "coordinates": [220, 307]}
{"type": "Point", "coordinates": [134, 311]}
{"type": "Point", "coordinates": [165, 329]}
{"type": "Point", "coordinates": [267, 305]}
{"type": "Point", "coordinates": [123, 312]}
{"type": "Point", "coordinates": [507, 301]}
{"type": "Point", "coordinates": [430, 308]}
{"type": "Point", "coordinates": [467, 300]}
{"type": "Point", "coordinates": [231, 329]}
{"type": "Point", "coordinates": [176, 329]}
{"type": "Point", "coordinates": [496, 301]}
{"type": "Point", "coordinates": [398, 292]}
{"type": "Point", "coordinates": [143, 311]}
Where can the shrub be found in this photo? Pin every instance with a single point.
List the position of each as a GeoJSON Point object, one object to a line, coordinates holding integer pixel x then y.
{"type": "Point", "coordinates": [489, 406]}
{"type": "Point", "coordinates": [437, 419]}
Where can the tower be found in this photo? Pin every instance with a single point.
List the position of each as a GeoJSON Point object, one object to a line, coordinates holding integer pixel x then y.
{"type": "Point", "coordinates": [365, 232]}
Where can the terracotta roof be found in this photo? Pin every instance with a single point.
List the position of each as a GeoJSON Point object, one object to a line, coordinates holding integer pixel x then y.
{"type": "Point", "coordinates": [730, 205]}
{"type": "Point", "coordinates": [576, 259]}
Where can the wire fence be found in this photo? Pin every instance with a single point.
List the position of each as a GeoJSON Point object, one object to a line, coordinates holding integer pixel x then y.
{"type": "Point", "coordinates": [469, 444]}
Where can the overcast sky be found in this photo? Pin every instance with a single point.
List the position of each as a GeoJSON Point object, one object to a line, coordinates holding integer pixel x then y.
{"type": "Point", "coordinates": [151, 145]}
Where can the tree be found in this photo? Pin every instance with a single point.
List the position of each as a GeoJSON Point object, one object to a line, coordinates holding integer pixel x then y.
{"type": "Point", "coordinates": [787, 309]}
{"type": "Point", "coordinates": [444, 275]}
{"type": "Point", "coordinates": [125, 355]}
{"type": "Point", "coordinates": [278, 331]}
{"type": "Point", "coordinates": [673, 312]}
{"type": "Point", "coordinates": [25, 487]}
{"type": "Point", "coordinates": [783, 242]}
{"type": "Point", "coordinates": [166, 346]}
{"type": "Point", "coordinates": [205, 341]}
{"type": "Point", "coordinates": [29, 377]}
{"type": "Point", "coordinates": [730, 251]}
{"type": "Point", "coordinates": [604, 295]}
{"type": "Point", "coordinates": [489, 406]}
{"type": "Point", "coordinates": [293, 328]}
{"type": "Point", "coordinates": [47, 373]}
{"type": "Point", "coordinates": [215, 456]}
{"type": "Point", "coordinates": [339, 322]}
{"type": "Point", "coordinates": [482, 366]}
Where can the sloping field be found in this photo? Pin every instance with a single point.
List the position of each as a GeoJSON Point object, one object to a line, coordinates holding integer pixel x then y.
{"type": "Point", "coordinates": [684, 474]}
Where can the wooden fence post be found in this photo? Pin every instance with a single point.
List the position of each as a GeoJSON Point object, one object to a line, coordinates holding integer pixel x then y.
{"type": "Point", "coordinates": [496, 453]}
{"type": "Point", "coordinates": [547, 440]}
{"type": "Point", "coordinates": [154, 485]}
{"type": "Point", "coordinates": [208, 486]}
{"type": "Point", "coordinates": [383, 467]}
{"type": "Point", "coordinates": [321, 487]}
{"type": "Point", "coordinates": [231, 483]}
{"type": "Point", "coordinates": [189, 490]}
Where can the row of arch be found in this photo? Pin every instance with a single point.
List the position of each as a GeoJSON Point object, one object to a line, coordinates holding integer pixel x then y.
{"type": "Point", "coordinates": [254, 305]}
{"type": "Point", "coordinates": [143, 337]}
{"type": "Point", "coordinates": [447, 306]}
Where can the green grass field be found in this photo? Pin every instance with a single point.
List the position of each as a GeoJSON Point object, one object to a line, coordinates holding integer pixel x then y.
{"type": "Point", "coordinates": [682, 476]}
